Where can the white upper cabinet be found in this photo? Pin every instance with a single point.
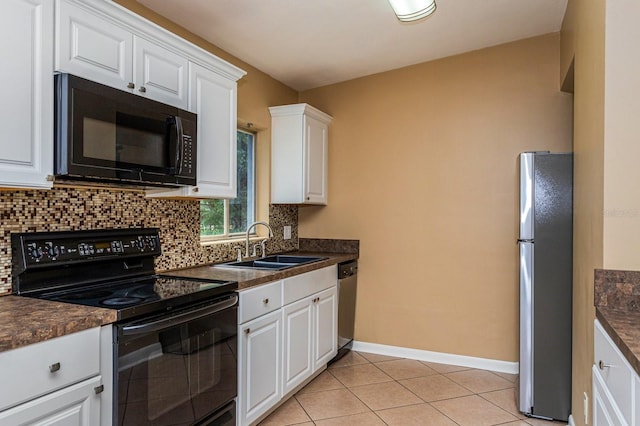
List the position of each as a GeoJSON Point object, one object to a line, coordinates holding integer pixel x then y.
{"type": "Point", "coordinates": [26, 104]}
{"type": "Point", "coordinates": [159, 73]}
{"type": "Point", "coordinates": [299, 154]}
{"type": "Point", "coordinates": [104, 42]}
{"type": "Point", "coordinates": [213, 98]}
{"type": "Point", "coordinates": [94, 46]}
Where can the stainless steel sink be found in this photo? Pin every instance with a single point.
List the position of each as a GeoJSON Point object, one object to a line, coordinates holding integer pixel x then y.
{"type": "Point", "coordinates": [274, 263]}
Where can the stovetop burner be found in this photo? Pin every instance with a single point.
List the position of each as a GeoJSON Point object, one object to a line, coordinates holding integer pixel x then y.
{"type": "Point", "coordinates": [121, 301]}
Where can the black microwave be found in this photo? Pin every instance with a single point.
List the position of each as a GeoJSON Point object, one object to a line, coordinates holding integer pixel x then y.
{"type": "Point", "coordinates": [104, 134]}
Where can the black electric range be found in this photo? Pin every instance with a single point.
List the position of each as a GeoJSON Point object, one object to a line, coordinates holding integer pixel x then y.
{"type": "Point", "coordinates": [111, 268]}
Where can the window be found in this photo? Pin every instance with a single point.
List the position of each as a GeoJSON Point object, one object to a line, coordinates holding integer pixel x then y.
{"type": "Point", "coordinates": [228, 218]}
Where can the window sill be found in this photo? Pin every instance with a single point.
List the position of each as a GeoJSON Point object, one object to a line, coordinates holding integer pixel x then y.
{"type": "Point", "coordinates": [230, 240]}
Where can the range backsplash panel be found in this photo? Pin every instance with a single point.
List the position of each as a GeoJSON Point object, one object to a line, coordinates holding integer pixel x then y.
{"type": "Point", "coordinates": [64, 209]}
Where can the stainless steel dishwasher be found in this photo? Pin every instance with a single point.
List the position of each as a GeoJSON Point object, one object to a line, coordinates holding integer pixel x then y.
{"type": "Point", "coordinates": [347, 289]}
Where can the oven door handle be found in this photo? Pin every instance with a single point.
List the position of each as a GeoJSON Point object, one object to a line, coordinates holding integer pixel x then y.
{"type": "Point", "coordinates": [179, 319]}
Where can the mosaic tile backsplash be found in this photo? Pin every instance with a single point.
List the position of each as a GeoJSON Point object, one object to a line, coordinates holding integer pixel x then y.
{"type": "Point", "coordinates": [64, 209]}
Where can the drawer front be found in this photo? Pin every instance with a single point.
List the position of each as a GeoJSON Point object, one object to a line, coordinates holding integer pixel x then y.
{"type": "Point", "coordinates": [44, 367]}
{"type": "Point", "coordinates": [258, 301]}
{"type": "Point", "coordinates": [614, 370]}
{"type": "Point", "coordinates": [301, 286]}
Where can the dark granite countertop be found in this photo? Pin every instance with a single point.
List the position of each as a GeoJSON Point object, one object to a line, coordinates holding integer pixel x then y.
{"type": "Point", "coordinates": [617, 301]}
{"type": "Point", "coordinates": [24, 320]}
{"type": "Point", "coordinates": [247, 278]}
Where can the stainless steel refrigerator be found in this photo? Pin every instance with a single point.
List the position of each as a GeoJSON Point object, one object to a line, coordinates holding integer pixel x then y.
{"type": "Point", "coordinates": [546, 270]}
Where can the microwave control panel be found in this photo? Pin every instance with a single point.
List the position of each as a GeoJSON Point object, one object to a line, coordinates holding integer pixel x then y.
{"type": "Point", "coordinates": [187, 160]}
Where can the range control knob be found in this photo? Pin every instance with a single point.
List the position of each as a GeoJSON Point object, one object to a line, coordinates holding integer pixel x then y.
{"type": "Point", "coordinates": [151, 243]}
{"type": "Point", "coordinates": [35, 252]}
{"type": "Point", "coordinates": [52, 250]}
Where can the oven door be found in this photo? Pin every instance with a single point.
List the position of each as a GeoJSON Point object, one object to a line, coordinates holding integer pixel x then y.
{"type": "Point", "coordinates": [178, 368]}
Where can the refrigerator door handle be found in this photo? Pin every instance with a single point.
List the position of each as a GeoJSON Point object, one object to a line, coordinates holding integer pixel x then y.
{"type": "Point", "coordinates": [526, 195]}
{"type": "Point", "coordinates": [526, 327]}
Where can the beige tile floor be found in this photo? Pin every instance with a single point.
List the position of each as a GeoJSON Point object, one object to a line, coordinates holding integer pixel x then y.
{"type": "Point", "coordinates": [367, 389]}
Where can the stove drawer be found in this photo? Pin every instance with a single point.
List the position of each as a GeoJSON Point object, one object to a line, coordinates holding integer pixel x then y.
{"type": "Point", "coordinates": [41, 368]}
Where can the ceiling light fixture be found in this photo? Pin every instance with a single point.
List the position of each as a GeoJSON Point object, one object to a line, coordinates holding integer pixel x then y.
{"type": "Point", "coordinates": [413, 10]}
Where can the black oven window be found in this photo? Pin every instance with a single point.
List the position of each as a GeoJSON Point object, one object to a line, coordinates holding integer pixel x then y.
{"type": "Point", "coordinates": [176, 376]}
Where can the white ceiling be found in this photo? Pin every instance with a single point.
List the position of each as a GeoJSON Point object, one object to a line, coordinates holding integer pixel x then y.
{"type": "Point", "coordinates": [312, 43]}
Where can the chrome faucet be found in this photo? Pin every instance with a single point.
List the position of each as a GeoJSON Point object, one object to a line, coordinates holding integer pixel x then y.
{"type": "Point", "coordinates": [254, 224]}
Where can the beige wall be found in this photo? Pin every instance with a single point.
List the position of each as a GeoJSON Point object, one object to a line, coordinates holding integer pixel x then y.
{"type": "Point", "coordinates": [621, 130]}
{"type": "Point", "coordinates": [583, 33]}
{"type": "Point", "coordinates": [256, 92]}
{"type": "Point", "coordinates": [423, 170]}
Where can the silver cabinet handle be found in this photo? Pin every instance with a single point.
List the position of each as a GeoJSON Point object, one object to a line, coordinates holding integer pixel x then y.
{"type": "Point", "coordinates": [131, 85]}
{"type": "Point", "coordinates": [54, 367]}
{"type": "Point", "coordinates": [142, 89]}
{"type": "Point", "coordinates": [602, 365]}
{"type": "Point", "coordinates": [266, 301]}
{"type": "Point", "coordinates": [98, 389]}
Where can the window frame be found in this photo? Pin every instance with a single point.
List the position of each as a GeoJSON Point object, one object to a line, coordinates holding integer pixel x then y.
{"type": "Point", "coordinates": [251, 201]}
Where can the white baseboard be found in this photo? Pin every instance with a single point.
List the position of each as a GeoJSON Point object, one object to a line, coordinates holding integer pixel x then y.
{"type": "Point", "coordinates": [439, 357]}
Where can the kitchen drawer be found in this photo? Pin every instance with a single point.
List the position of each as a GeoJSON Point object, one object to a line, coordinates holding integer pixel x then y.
{"type": "Point", "coordinates": [301, 286]}
{"type": "Point", "coordinates": [259, 300]}
{"type": "Point", "coordinates": [26, 372]}
{"type": "Point", "coordinates": [615, 371]}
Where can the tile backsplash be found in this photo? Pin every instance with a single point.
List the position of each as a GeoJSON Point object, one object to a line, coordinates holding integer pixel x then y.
{"type": "Point", "coordinates": [63, 209]}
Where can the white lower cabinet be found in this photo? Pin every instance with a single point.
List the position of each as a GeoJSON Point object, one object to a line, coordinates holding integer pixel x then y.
{"type": "Point", "coordinates": [614, 384]}
{"type": "Point", "coordinates": [75, 405]}
{"type": "Point", "coordinates": [310, 338]}
{"type": "Point", "coordinates": [58, 381]}
{"type": "Point", "coordinates": [287, 333]}
{"type": "Point", "coordinates": [325, 313]}
{"type": "Point", "coordinates": [259, 369]}
{"type": "Point", "coordinates": [259, 351]}
{"type": "Point", "coordinates": [298, 333]}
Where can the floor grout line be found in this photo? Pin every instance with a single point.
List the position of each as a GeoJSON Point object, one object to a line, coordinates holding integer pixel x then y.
{"type": "Point", "coordinates": [361, 360]}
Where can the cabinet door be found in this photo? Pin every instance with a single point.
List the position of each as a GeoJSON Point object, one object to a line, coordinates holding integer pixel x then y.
{"type": "Point", "coordinates": [316, 151]}
{"type": "Point", "coordinates": [260, 357]}
{"type": "Point", "coordinates": [326, 327]}
{"type": "Point", "coordinates": [213, 98]}
{"type": "Point", "coordinates": [26, 105]}
{"type": "Point", "coordinates": [75, 405]}
{"type": "Point", "coordinates": [160, 74]}
{"type": "Point", "coordinates": [605, 410]}
{"type": "Point", "coordinates": [298, 341]}
{"type": "Point", "coordinates": [92, 47]}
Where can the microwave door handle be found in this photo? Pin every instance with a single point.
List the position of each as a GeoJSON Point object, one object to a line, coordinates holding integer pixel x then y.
{"type": "Point", "coordinates": [179, 144]}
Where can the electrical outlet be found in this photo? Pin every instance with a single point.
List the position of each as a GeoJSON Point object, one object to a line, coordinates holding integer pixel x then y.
{"type": "Point", "coordinates": [586, 408]}
{"type": "Point", "coordinates": [287, 232]}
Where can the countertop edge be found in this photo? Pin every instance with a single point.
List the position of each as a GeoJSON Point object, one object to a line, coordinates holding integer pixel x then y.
{"type": "Point", "coordinates": [622, 328]}
{"type": "Point", "coordinates": [25, 321]}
